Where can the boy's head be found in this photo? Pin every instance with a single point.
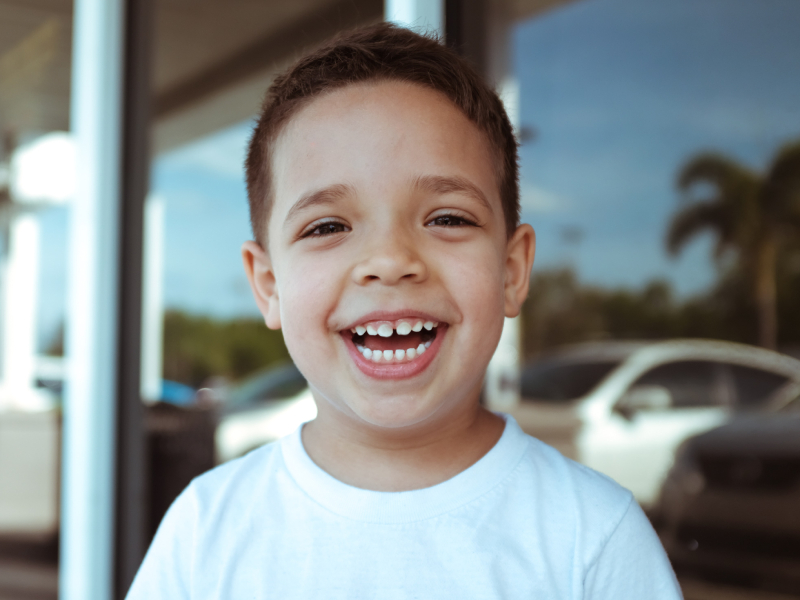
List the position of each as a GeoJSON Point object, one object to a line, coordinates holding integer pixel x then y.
{"type": "Point", "coordinates": [387, 211]}
{"type": "Point", "coordinates": [376, 53]}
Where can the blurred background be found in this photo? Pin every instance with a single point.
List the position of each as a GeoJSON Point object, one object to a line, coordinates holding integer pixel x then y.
{"type": "Point", "coordinates": [660, 344]}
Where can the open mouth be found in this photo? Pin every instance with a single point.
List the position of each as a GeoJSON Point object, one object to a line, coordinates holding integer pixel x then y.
{"type": "Point", "coordinates": [394, 341]}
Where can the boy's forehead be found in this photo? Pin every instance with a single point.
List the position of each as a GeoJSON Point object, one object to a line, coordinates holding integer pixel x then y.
{"type": "Point", "coordinates": [378, 112]}
{"type": "Point", "coordinates": [378, 135]}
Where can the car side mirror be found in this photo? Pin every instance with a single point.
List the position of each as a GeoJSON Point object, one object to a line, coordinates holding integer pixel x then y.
{"type": "Point", "coordinates": [643, 397]}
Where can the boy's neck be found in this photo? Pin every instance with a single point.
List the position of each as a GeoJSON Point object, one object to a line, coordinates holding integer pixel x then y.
{"type": "Point", "coordinates": [397, 461]}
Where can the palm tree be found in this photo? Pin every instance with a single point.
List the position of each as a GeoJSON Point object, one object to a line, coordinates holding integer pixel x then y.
{"type": "Point", "coordinates": [752, 215]}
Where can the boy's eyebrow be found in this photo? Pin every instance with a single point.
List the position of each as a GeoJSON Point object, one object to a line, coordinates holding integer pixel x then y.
{"type": "Point", "coordinates": [438, 184]}
{"type": "Point", "coordinates": [435, 184]}
{"type": "Point", "coordinates": [326, 195]}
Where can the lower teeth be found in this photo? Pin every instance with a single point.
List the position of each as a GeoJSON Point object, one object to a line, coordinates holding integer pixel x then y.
{"type": "Point", "coordinates": [396, 355]}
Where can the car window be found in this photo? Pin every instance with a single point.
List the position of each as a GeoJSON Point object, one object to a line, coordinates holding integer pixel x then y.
{"type": "Point", "coordinates": [691, 383]}
{"type": "Point", "coordinates": [559, 380]}
{"type": "Point", "coordinates": [754, 386]}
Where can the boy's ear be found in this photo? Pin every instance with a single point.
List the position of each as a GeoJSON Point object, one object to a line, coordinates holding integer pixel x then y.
{"type": "Point", "coordinates": [519, 261]}
{"type": "Point", "coordinates": [260, 274]}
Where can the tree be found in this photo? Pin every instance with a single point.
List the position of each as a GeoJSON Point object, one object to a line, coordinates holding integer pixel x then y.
{"type": "Point", "coordinates": [753, 216]}
{"type": "Point", "coordinates": [198, 347]}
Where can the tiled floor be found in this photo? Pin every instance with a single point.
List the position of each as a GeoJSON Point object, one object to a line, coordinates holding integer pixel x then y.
{"type": "Point", "coordinates": [700, 590]}
{"type": "Point", "coordinates": [27, 580]}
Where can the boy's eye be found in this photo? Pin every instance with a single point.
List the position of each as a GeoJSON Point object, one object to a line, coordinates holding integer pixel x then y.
{"type": "Point", "coordinates": [323, 229]}
{"type": "Point", "coordinates": [451, 221]}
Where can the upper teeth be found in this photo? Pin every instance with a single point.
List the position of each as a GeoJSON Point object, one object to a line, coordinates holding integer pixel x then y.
{"type": "Point", "coordinates": [386, 328]}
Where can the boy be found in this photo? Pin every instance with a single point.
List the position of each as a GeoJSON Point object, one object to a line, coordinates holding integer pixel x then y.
{"type": "Point", "coordinates": [382, 179]}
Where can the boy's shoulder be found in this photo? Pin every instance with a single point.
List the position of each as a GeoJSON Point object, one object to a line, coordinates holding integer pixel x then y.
{"type": "Point", "coordinates": [575, 497]}
{"type": "Point", "coordinates": [571, 480]}
{"type": "Point", "coordinates": [523, 513]}
{"type": "Point", "coordinates": [240, 475]}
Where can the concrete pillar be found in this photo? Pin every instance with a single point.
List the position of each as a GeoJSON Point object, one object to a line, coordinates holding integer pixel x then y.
{"type": "Point", "coordinates": [482, 32]}
{"type": "Point", "coordinates": [153, 299]}
{"type": "Point", "coordinates": [89, 430]}
{"type": "Point", "coordinates": [20, 283]}
{"type": "Point", "coordinates": [502, 377]}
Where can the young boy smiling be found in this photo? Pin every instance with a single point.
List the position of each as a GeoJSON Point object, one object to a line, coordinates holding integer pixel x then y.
{"type": "Point", "coordinates": [382, 178]}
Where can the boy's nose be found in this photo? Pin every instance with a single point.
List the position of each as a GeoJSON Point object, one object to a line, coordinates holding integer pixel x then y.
{"type": "Point", "coordinates": [390, 261]}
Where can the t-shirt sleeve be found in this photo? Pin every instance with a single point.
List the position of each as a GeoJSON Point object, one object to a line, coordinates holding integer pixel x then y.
{"type": "Point", "coordinates": [167, 566]}
{"type": "Point", "coordinates": [632, 563]}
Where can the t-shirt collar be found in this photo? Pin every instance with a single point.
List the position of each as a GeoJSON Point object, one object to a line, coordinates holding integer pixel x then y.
{"type": "Point", "coordinates": [414, 505]}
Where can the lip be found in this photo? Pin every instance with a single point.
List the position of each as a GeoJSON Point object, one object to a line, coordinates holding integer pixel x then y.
{"type": "Point", "coordinates": [404, 370]}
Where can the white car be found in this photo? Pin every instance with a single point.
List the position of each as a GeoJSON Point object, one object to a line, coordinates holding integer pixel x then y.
{"type": "Point", "coordinates": [623, 408]}
{"type": "Point", "coordinates": [266, 407]}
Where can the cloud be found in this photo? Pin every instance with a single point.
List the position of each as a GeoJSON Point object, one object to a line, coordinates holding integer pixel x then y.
{"type": "Point", "coordinates": [537, 200]}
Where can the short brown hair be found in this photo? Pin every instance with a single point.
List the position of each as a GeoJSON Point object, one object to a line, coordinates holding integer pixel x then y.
{"type": "Point", "coordinates": [374, 53]}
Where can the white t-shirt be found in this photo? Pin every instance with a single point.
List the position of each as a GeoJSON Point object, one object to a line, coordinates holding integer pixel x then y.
{"type": "Point", "coordinates": [522, 522]}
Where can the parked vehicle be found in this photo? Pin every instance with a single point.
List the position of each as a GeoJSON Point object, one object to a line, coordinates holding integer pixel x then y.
{"type": "Point", "coordinates": [265, 407]}
{"type": "Point", "coordinates": [178, 394]}
{"type": "Point", "coordinates": [731, 503]}
{"type": "Point", "coordinates": [623, 408]}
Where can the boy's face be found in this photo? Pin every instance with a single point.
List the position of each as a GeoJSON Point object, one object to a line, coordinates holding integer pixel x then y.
{"type": "Point", "coordinates": [387, 216]}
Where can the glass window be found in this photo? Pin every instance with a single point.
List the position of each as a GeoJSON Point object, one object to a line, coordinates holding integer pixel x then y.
{"type": "Point", "coordinates": [556, 381]}
{"type": "Point", "coordinates": [637, 118]}
{"type": "Point", "coordinates": [35, 185]}
{"type": "Point", "coordinates": [214, 338]}
{"type": "Point", "coordinates": [691, 383]}
{"type": "Point", "coordinates": [754, 386]}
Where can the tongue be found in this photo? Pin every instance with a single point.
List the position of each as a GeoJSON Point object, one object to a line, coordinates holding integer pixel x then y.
{"type": "Point", "coordinates": [395, 342]}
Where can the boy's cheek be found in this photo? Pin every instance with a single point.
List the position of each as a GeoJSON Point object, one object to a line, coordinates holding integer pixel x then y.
{"type": "Point", "coordinates": [304, 301]}
{"type": "Point", "coordinates": [308, 351]}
